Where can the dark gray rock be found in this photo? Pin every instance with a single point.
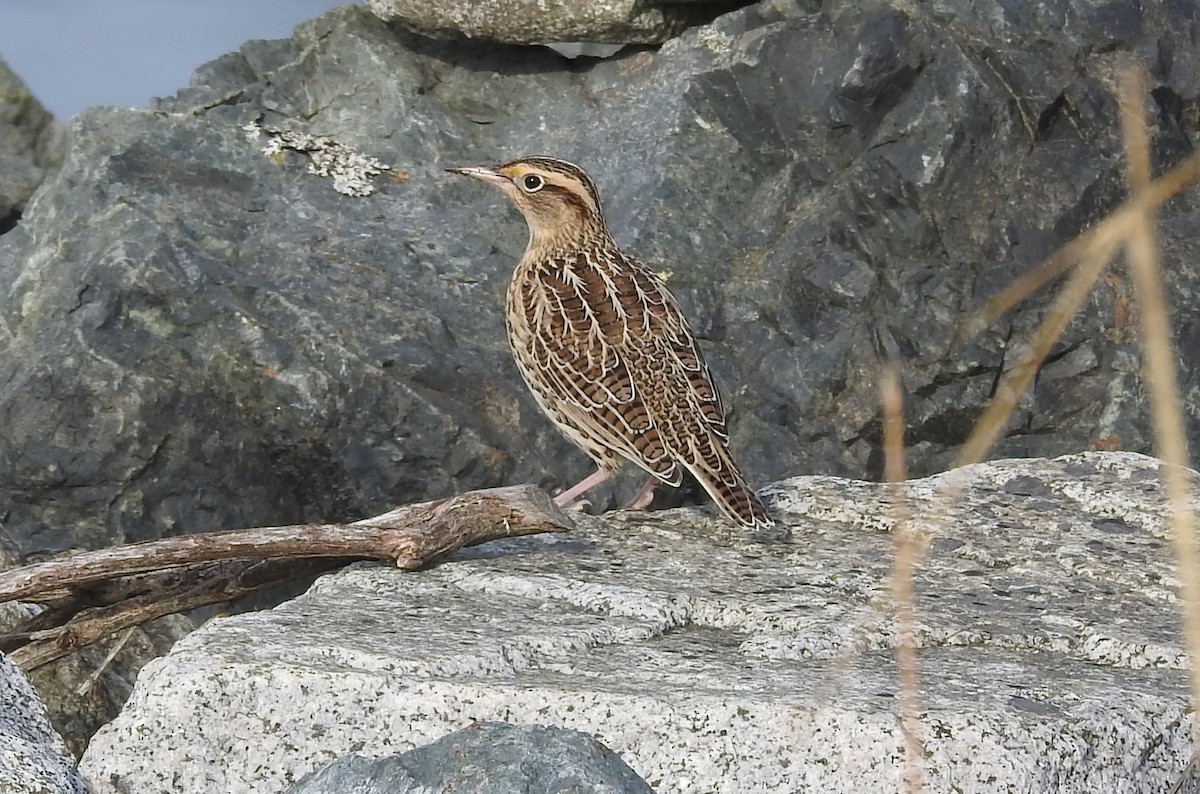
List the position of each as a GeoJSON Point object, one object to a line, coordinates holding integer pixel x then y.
{"type": "Point", "coordinates": [33, 758]}
{"type": "Point", "coordinates": [538, 22]}
{"type": "Point", "coordinates": [30, 146]}
{"type": "Point", "coordinates": [196, 336]}
{"type": "Point", "coordinates": [487, 758]}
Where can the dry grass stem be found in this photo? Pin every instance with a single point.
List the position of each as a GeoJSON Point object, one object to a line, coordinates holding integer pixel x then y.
{"type": "Point", "coordinates": [89, 682]}
{"type": "Point", "coordinates": [1158, 362]}
{"type": "Point", "coordinates": [1109, 232]}
{"type": "Point", "coordinates": [1016, 380]}
{"type": "Point", "coordinates": [906, 553]}
{"type": "Point", "coordinates": [1132, 228]}
{"type": "Point", "coordinates": [1092, 251]}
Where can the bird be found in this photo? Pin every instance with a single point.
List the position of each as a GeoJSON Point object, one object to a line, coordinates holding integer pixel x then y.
{"type": "Point", "coordinates": [605, 348]}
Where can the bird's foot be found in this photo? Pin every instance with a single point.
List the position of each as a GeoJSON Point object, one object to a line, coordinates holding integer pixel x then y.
{"type": "Point", "coordinates": [578, 506]}
{"type": "Point", "coordinates": [645, 495]}
{"type": "Point", "coordinates": [570, 496]}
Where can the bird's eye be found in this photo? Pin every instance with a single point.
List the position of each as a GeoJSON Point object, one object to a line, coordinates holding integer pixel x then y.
{"type": "Point", "coordinates": [532, 183]}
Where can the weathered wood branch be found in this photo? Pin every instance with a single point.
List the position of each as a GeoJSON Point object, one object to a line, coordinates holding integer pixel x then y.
{"type": "Point", "coordinates": [411, 536]}
{"type": "Point", "coordinates": [90, 595]}
{"type": "Point", "coordinates": [219, 582]}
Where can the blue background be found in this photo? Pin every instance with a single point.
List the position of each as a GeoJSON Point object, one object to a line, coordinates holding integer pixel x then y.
{"type": "Point", "coordinates": [76, 53]}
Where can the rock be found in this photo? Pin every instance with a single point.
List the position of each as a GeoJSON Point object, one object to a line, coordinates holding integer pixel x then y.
{"type": "Point", "coordinates": [74, 698]}
{"type": "Point", "coordinates": [30, 146]}
{"type": "Point", "coordinates": [1046, 617]}
{"type": "Point", "coordinates": [538, 22]}
{"type": "Point", "coordinates": [77, 711]}
{"type": "Point", "coordinates": [488, 758]}
{"type": "Point", "coordinates": [237, 343]}
{"type": "Point", "coordinates": [33, 758]}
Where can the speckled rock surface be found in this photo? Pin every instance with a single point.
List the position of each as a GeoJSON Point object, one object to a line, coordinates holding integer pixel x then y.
{"type": "Point", "coordinates": [710, 662]}
{"type": "Point", "coordinates": [488, 758]}
{"type": "Point", "coordinates": [539, 22]}
{"type": "Point", "coordinates": [33, 758]}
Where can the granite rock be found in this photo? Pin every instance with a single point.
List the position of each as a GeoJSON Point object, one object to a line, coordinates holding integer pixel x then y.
{"type": "Point", "coordinates": [1046, 617]}
{"type": "Point", "coordinates": [33, 758]}
{"type": "Point", "coordinates": [487, 758]}
{"type": "Point", "coordinates": [539, 22]}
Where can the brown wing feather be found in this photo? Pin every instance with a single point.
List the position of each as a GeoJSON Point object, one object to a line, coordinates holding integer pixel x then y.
{"type": "Point", "coordinates": [607, 351]}
{"type": "Point", "coordinates": [575, 340]}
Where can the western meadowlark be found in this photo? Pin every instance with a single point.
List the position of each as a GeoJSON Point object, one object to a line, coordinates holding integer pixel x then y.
{"type": "Point", "coordinates": [604, 347]}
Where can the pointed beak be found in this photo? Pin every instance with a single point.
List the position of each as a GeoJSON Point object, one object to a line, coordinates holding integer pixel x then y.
{"type": "Point", "coordinates": [484, 173]}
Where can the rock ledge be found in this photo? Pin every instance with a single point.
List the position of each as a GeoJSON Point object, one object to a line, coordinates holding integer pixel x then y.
{"type": "Point", "coordinates": [1046, 611]}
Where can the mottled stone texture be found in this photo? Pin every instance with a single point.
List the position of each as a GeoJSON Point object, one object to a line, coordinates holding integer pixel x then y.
{"type": "Point", "coordinates": [30, 146]}
{"type": "Point", "coordinates": [487, 758]}
{"type": "Point", "coordinates": [542, 22]}
{"type": "Point", "coordinates": [33, 758]}
{"type": "Point", "coordinates": [197, 336]}
{"type": "Point", "coordinates": [1046, 616]}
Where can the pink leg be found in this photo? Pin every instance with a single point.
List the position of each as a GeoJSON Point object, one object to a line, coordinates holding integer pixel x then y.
{"type": "Point", "coordinates": [586, 484]}
{"type": "Point", "coordinates": [645, 495]}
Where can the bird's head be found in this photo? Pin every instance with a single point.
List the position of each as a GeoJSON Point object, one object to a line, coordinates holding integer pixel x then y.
{"type": "Point", "coordinates": [557, 198]}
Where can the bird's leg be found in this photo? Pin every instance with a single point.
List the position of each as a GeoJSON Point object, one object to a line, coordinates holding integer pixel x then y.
{"type": "Point", "coordinates": [645, 495]}
{"type": "Point", "coordinates": [586, 484]}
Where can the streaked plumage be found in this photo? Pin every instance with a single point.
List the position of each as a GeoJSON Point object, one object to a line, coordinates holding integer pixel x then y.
{"type": "Point", "coordinates": [604, 346]}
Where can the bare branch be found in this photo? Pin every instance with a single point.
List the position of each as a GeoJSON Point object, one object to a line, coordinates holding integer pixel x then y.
{"type": "Point", "coordinates": [90, 595]}
{"type": "Point", "coordinates": [411, 536]}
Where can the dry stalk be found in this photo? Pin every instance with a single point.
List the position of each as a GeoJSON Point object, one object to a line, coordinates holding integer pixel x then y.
{"type": "Point", "coordinates": [906, 552]}
{"type": "Point", "coordinates": [1158, 363]}
{"type": "Point", "coordinates": [1109, 232]}
{"type": "Point", "coordinates": [1016, 380]}
{"type": "Point", "coordinates": [84, 688]}
{"type": "Point", "coordinates": [1131, 227]}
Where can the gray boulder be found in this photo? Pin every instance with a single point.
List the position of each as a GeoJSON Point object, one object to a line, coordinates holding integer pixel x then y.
{"type": "Point", "coordinates": [74, 697]}
{"type": "Point", "coordinates": [30, 146]}
{"type": "Point", "coordinates": [197, 335]}
{"type": "Point", "coordinates": [33, 758]}
{"type": "Point", "coordinates": [77, 700]}
{"type": "Point", "coordinates": [1047, 621]}
{"type": "Point", "coordinates": [487, 758]}
{"type": "Point", "coordinates": [538, 22]}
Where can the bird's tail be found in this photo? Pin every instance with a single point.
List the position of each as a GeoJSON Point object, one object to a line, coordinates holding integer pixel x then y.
{"type": "Point", "coordinates": [716, 470]}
